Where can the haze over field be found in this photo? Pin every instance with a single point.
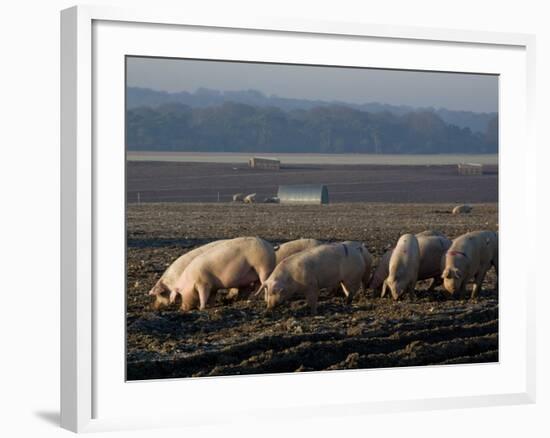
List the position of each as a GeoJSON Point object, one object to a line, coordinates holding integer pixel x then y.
{"type": "Point", "coordinates": [454, 91]}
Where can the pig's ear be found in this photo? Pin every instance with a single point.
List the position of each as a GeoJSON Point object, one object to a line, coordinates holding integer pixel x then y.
{"type": "Point", "coordinates": [156, 289]}
{"type": "Point", "coordinates": [173, 295]}
{"type": "Point", "coordinates": [159, 289]}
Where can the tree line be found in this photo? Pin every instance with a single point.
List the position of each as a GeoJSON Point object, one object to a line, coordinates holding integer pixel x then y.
{"type": "Point", "coordinates": [237, 127]}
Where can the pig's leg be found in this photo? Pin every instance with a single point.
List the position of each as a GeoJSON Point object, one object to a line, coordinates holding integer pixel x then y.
{"type": "Point", "coordinates": [350, 290]}
{"type": "Point", "coordinates": [188, 299]}
{"type": "Point", "coordinates": [384, 288]}
{"type": "Point", "coordinates": [312, 296]}
{"type": "Point", "coordinates": [203, 289]}
{"type": "Point", "coordinates": [347, 292]}
{"type": "Point", "coordinates": [412, 288]}
{"type": "Point", "coordinates": [478, 282]}
{"type": "Point", "coordinates": [366, 277]}
{"type": "Point", "coordinates": [462, 292]}
{"type": "Point", "coordinates": [262, 274]}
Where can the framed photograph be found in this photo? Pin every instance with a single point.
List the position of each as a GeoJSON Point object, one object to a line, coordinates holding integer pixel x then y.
{"type": "Point", "coordinates": [265, 208]}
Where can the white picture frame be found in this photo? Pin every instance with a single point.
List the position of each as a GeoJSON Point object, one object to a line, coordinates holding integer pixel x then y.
{"type": "Point", "coordinates": [91, 340]}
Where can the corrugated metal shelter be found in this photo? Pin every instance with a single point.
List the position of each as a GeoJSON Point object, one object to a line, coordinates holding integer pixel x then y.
{"type": "Point", "coordinates": [264, 163]}
{"type": "Point", "coordinates": [303, 194]}
{"type": "Point", "coordinates": [470, 169]}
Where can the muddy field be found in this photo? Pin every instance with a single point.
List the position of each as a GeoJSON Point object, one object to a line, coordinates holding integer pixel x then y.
{"type": "Point", "coordinates": [239, 337]}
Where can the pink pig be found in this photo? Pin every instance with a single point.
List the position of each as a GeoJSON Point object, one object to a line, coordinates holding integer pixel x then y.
{"type": "Point", "coordinates": [232, 264]}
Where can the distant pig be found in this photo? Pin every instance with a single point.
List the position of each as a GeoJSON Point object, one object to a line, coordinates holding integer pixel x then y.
{"type": "Point", "coordinates": [294, 246]}
{"type": "Point", "coordinates": [165, 285]}
{"type": "Point", "coordinates": [469, 257]}
{"type": "Point", "coordinates": [250, 199]}
{"type": "Point", "coordinates": [323, 267]}
{"type": "Point", "coordinates": [234, 264]}
{"type": "Point", "coordinates": [403, 267]}
{"type": "Point", "coordinates": [460, 209]}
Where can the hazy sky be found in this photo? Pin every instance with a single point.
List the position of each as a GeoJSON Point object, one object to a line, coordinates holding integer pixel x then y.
{"type": "Point", "coordinates": [456, 91]}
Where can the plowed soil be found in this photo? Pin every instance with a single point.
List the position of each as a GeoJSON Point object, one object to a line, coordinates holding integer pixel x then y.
{"type": "Point", "coordinates": [240, 337]}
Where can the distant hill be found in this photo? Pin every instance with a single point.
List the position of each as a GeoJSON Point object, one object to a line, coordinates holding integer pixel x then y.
{"type": "Point", "coordinates": [327, 128]}
{"type": "Point", "coordinates": [203, 97]}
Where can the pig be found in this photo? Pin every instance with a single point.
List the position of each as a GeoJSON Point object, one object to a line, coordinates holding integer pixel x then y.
{"type": "Point", "coordinates": [322, 267]}
{"type": "Point", "coordinates": [294, 246]}
{"type": "Point", "coordinates": [235, 263]}
{"type": "Point", "coordinates": [165, 285]}
{"type": "Point", "coordinates": [469, 257]}
{"type": "Point", "coordinates": [432, 248]}
{"type": "Point", "coordinates": [403, 267]}
{"type": "Point", "coordinates": [367, 258]}
{"type": "Point", "coordinates": [381, 272]}
{"type": "Point", "coordinates": [432, 245]}
{"type": "Point", "coordinates": [250, 199]}
{"type": "Point", "coordinates": [429, 233]}
{"type": "Point", "coordinates": [459, 209]}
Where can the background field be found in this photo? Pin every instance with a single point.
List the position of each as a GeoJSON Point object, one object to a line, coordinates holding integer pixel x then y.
{"type": "Point", "coordinates": [175, 181]}
{"type": "Point", "coordinates": [298, 158]}
{"type": "Point", "coordinates": [241, 338]}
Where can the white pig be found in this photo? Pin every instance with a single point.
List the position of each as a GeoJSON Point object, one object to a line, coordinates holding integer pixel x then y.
{"type": "Point", "coordinates": [403, 267]}
{"type": "Point", "coordinates": [432, 248]}
{"type": "Point", "coordinates": [461, 209]}
{"type": "Point", "coordinates": [294, 246]}
{"type": "Point", "coordinates": [165, 285]}
{"type": "Point", "coordinates": [432, 245]}
{"type": "Point", "coordinates": [469, 257]}
{"type": "Point", "coordinates": [233, 264]}
{"type": "Point", "coordinates": [367, 258]}
{"type": "Point", "coordinates": [323, 267]}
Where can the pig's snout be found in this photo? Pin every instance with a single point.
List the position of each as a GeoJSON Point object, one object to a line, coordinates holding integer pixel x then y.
{"type": "Point", "coordinates": [272, 302]}
{"type": "Point", "coordinates": [451, 286]}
